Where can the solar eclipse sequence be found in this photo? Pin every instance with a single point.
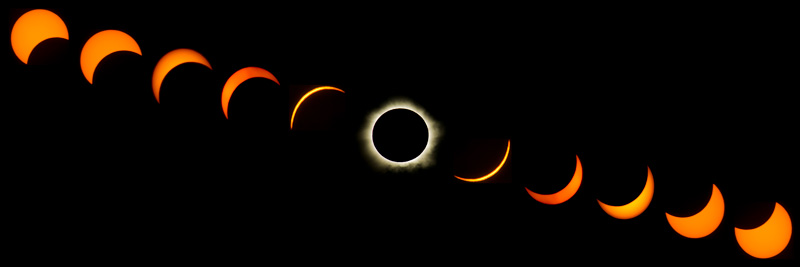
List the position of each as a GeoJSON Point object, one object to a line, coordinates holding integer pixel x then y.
{"type": "Point", "coordinates": [399, 139]}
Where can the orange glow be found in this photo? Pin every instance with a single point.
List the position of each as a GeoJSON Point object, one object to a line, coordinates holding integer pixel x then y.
{"type": "Point", "coordinates": [102, 44]}
{"type": "Point", "coordinates": [172, 60]}
{"type": "Point", "coordinates": [566, 193]}
{"type": "Point", "coordinates": [32, 28]}
{"type": "Point", "coordinates": [704, 222]}
{"type": "Point", "coordinates": [291, 123]}
{"type": "Point", "coordinates": [491, 173]}
{"type": "Point", "coordinates": [770, 238]}
{"type": "Point", "coordinates": [238, 78]}
{"type": "Point", "coordinates": [635, 207]}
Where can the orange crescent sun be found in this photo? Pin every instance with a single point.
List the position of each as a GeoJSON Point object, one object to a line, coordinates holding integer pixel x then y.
{"type": "Point", "coordinates": [704, 222]}
{"type": "Point", "coordinates": [770, 238]}
{"type": "Point", "coordinates": [291, 122]}
{"type": "Point", "coordinates": [103, 44]}
{"type": "Point", "coordinates": [32, 28]}
{"type": "Point", "coordinates": [238, 78]}
{"type": "Point", "coordinates": [171, 60]}
{"type": "Point", "coordinates": [508, 148]}
{"type": "Point", "coordinates": [564, 194]}
{"type": "Point", "coordinates": [635, 207]}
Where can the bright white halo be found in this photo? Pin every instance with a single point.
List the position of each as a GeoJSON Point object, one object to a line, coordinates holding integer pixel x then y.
{"type": "Point", "coordinates": [423, 160]}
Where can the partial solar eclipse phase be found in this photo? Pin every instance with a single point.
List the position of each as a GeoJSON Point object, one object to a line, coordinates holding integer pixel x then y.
{"type": "Point", "coordinates": [238, 78]}
{"type": "Point", "coordinates": [102, 44]}
{"type": "Point", "coordinates": [564, 194]}
{"type": "Point", "coordinates": [493, 172]}
{"type": "Point", "coordinates": [32, 28]}
{"type": "Point", "coordinates": [171, 60]}
{"type": "Point", "coordinates": [769, 239]}
{"type": "Point", "coordinates": [704, 222]}
{"type": "Point", "coordinates": [635, 207]}
{"type": "Point", "coordinates": [317, 89]}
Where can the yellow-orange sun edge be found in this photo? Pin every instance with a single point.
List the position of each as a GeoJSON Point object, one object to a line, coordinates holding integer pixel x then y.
{"type": "Point", "coordinates": [171, 60]}
{"type": "Point", "coordinates": [32, 28]}
{"type": "Point", "coordinates": [239, 77]}
{"type": "Point", "coordinates": [482, 178]}
{"type": "Point", "coordinates": [291, 122]}
{"type": "Point", "coordinates": [102, 44]}
{"type": "Point", "coordinates": [565, 193]}
{"type": "Point", "coordinates": [637, 206]}
{"type": "Point", "coordinates": [770, 238]}
{"type": "Point", "coordinates": [700, 224]}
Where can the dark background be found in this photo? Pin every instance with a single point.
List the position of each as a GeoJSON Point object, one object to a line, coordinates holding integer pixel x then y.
{"type": "Point", "coordinates": [699, 96]}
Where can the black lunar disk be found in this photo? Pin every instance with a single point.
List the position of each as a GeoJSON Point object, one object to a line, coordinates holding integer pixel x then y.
{"type": "Point", "coordinates": [400, 135]}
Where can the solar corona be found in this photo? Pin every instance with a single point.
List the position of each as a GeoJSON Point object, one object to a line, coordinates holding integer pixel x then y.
{"type": "Point", "coordinates": [401, 137]}
{"type": "Point", "coordinates": [422, 160]}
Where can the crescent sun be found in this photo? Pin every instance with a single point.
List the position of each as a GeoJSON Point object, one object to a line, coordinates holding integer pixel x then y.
{"type": "Point", "coordinates": [489, 175]}
{"type": "Point", "coordinates": [171, 60]}
{"type": "Point", "coordinates": [291, 122]}
{"type": "Point", "coordinates": [704, 222]}
{"type": "Point", "coordinates": [103, 44]}
{"type": "Point", "coordinates": [564, 194]}
{"type": "Point", "coordinates": [238, 78]}
{"type": "Point", "coordinates": [635, 207]}
{"type": "Point", "coordinates": [32, 28]}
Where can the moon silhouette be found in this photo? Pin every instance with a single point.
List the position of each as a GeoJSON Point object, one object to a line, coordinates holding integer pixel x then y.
{"type": "Point", "coordinates": [103, 44]}
{"type": "Point", "coordinates": [423, 160]}
{"type": "Point", "coordinates": [32, 28]}
{"type": "Point", "coordinates": [564, 194]}
{"type": "Point", "coordinates": [489, 175]}
{"type": "Point", "coordinates": [635, 207]}
{"type": "Point", "coordinates": [770, 238]}
{"type": "Point", "coordinates": [238, 78]}
{"type": "Point", "coordinates": [704, 222]}
{"type": "Point", "coordinates": [400, 135]}
{"type": "Point", "coordinates": [172, 60]}
{"type": "Point", "coordinates": [291, 122]}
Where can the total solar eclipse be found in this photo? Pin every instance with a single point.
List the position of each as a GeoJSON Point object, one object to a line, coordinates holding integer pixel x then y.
{"type": "Point", "coordinates": [400, 135]}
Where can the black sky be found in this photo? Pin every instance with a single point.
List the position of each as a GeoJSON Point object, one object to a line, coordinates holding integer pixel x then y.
{"type": "Point", "coordinates": [700, 98]}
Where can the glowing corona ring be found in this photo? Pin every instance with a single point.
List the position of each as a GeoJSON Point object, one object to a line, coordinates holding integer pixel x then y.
{"type": "Point", "coordinates": [423, 160]}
